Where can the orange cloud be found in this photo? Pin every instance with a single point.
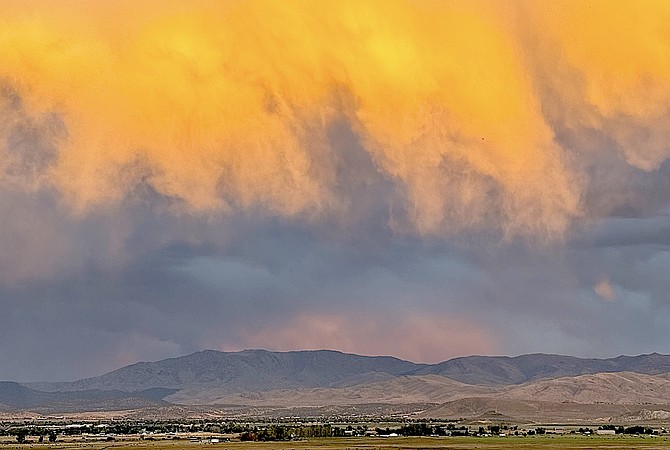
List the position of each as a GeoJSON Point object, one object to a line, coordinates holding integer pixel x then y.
{"type": "Point", "coordinates": [608, 63]}
{"type": "Point", "coordinates": [417, 337]}
{"type": "Point", "coordinates": [227, 105]}
{"type": "Point", "coordinates": [605, 290]}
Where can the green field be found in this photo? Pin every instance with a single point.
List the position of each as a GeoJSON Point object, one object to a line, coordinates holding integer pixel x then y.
{"type": "Point", "coordinates": [418, 443]}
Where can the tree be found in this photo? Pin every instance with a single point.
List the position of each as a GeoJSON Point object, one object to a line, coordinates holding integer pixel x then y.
{"type": "Point", "coordinates": [21, 436]}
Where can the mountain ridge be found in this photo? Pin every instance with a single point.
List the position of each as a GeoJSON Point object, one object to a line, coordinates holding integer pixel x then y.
{"type": "Point", "coordinates": [247, 369]}
{"type": "Point", "coordinates": [263, 381]}
{"type": "Point", "coordinates": [503, 370]}
{"type": "Point", "coordinates": [257, 369]}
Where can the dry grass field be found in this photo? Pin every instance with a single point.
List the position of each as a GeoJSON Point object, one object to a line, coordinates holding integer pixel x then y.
{"type": "Point", "coordinates": [418, 443]}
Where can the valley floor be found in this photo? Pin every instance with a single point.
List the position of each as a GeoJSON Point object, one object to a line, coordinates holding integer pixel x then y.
{"type": "Point", "coordinates": [354, 443]}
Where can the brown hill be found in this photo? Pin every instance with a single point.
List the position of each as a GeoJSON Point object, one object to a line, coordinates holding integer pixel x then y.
{"type": "Point", "coordinates": [621, 388]}
{"type": "Point", "coordinates": [487, 409]}
{"type": "Point", "coordinates": [400, 390]}
{"type": "Point", "coordinates": [603, 397]}
{"type": "Point", "coordinates": [594, 396]}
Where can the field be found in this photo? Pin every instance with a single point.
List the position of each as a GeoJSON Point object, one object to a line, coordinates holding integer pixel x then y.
{"type": "Point", "coordinates": [404, 443]}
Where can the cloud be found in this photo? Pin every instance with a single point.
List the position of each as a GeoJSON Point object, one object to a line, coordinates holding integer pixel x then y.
{"type": "Point", "coordinates": [480, 116]}
{"type": "Point", "coordinates": [415, 337]}
{"type": "Point", "coordinates": [612, 75]}
{"type": "Point", "coordinates": [237, 116]}
{"type": "Point", "coordinates": [605, 290]}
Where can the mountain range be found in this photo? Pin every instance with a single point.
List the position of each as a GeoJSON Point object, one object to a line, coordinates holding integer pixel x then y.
{"type": "Point", "coordinates": [526, 387]}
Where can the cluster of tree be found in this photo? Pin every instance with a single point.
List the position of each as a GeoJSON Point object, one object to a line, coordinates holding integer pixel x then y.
{"type": "Point", "coordinates": [425, 429]}
{"type": "Point", "coordinates": [420, 429]}
{"type": "Point", "coordinates": [453, 430]}
{"type": "Point", "coordinates": [120, 427]}
{"type": "Point", "coordinates": [22, 435]}
{"type": "Point", "coordinates": [619, 429]}
{"type": "Point", "coordinates": [287, 432]}
{"type": "Point", "coordinates": [638, 430]}
{"type": "Point", "coordinates": [226, 428]}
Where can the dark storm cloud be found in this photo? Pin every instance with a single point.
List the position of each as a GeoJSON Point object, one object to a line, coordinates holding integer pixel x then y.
{"type": "Point", "coordinates": [140, 283]}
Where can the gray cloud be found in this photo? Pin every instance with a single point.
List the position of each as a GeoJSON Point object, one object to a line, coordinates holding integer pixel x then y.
{"type": "Point", "coordinates": [138, 282]}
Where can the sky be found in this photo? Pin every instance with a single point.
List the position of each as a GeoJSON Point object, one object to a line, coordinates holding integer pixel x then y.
{"type": "Point", "coordinates": [422, 179]}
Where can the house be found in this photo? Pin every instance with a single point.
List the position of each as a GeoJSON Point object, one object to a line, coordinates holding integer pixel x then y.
{"type": "Point", "coordinates": [605, 432]}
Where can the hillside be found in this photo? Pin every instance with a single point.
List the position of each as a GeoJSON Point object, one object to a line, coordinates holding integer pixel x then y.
{"type": "Point", "coordinates": [482, 410]}
{"type": "Point", "coordinates": [255, 370]}
{"type": "Point", "coordinates": [500, 370]}
{"type": "Point", "coordinates": [620, 388]}
{"type": "Point", "coordinates": [13, 396]}
{"type": "Point", "coordinates": [400, 390]}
